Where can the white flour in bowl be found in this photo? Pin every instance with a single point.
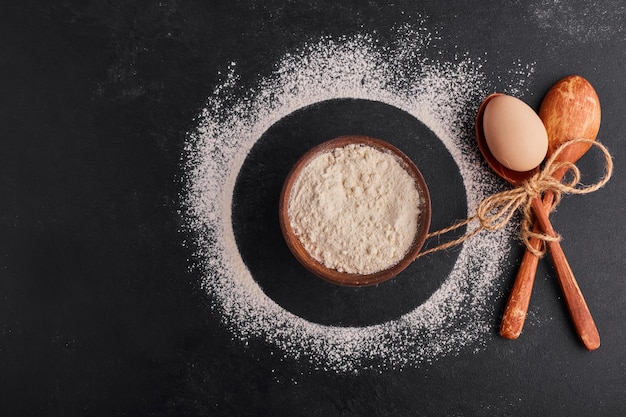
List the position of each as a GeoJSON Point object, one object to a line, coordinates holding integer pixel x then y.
{"type": "Point", "coordinates": [442, 95]}
{"type": "Point", "coordinates": [355, 209]}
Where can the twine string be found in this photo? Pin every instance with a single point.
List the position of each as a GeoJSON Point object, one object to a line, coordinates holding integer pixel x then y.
{"type": "Point", "coordinates": [497, 210]}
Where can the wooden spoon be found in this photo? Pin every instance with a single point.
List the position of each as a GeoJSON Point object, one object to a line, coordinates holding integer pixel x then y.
{"type": "Point", "coordinates": [570, 110]}
{"type": "Point", "coordinates": [582, 318]}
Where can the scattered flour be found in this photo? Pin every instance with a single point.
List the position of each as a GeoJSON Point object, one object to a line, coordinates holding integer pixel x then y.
{"type": "Point", "coordinates": [442, 95]}
{"type": "Point", "coordinates": [355, 209]}
{"type": "Point", "coordinates": [592, 21]}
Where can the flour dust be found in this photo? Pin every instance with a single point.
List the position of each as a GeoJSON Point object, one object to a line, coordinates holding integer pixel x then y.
{"type": "Point", "coordinates": [459, 314]}
{"type": "Point", "coordinates": [593, 21]}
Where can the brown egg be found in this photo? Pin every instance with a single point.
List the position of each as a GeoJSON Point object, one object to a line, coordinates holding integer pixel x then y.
{"type": "Point", "coordinates": [514, 133]}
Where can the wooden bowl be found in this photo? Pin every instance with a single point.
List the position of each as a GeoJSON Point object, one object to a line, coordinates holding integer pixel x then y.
{"type": "Point", "coordinates": [332, 275]}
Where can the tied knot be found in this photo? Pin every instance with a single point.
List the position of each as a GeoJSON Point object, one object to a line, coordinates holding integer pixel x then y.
{"type": "Point", "coordinates": [535, 186]}
{"type": "Point", "coordinates": [496, 211]}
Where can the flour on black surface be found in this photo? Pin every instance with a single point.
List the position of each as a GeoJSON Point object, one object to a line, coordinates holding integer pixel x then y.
{"type": "Point", "coordinates": [459, 314]}
{"type": "Point", "coordinates": [584, 22]}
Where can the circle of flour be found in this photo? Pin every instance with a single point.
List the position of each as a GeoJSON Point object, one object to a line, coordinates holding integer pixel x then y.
{"type": "Point", "coordinates": [439, 94]}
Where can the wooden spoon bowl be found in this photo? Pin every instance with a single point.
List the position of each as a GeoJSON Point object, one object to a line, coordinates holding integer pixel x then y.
{"type": "Point", "coordinates": [332, 275]}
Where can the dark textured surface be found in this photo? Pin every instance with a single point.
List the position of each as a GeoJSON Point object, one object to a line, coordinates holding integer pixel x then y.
{"type": "Point", "coordinates": [99, 311]}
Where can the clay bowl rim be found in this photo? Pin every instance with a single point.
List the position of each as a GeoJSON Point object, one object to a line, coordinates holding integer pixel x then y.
{"type": "Point", "coordinates": [343, 278]}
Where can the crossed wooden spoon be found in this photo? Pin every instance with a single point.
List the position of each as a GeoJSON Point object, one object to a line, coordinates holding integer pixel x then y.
{"type": "Point", "coordinates": [570, 110]}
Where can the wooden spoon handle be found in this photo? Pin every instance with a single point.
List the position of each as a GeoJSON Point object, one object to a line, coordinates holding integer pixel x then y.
{"type": "Point", "coordinates": [519, 298]}
{"type": "Point", "coordinates": [517, 306]}
{"type": "Point", "coordinates": [581, 316]}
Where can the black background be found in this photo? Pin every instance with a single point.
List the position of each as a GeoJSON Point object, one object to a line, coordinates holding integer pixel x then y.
{"type": "Point", "coordinates": [100, 311]}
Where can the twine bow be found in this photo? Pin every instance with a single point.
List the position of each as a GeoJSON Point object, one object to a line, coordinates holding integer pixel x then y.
{"type": "Point", "coordinates": [497, 210]}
